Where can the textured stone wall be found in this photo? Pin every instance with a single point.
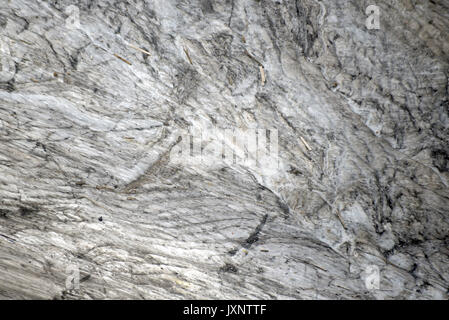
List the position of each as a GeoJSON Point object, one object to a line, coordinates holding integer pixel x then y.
{"type": "Point", "coordinates": [94, 98]}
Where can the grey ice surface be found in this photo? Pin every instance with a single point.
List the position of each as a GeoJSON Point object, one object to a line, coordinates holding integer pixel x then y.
{"type": "Point", "coordinates": [88, 122]}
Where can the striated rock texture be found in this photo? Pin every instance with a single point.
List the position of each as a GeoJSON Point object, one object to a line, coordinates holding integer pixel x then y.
{"type": "Point", "coordinates": [91, 111]}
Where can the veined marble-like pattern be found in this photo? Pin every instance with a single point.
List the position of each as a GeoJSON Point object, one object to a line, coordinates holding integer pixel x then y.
{"type": "Point", "coordinates": [94, 95]}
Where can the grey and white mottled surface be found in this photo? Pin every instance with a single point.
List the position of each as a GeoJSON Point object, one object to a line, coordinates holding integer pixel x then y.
{"type": "Point", "coordinates": [85, 134]}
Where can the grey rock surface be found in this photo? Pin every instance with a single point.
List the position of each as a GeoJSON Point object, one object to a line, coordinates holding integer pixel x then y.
{"type": "Point", "coordinates": [91, 111]}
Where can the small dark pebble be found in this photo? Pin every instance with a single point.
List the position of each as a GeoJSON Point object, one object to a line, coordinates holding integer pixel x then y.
{"type": "Point", "coordinates": [229, 268]}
